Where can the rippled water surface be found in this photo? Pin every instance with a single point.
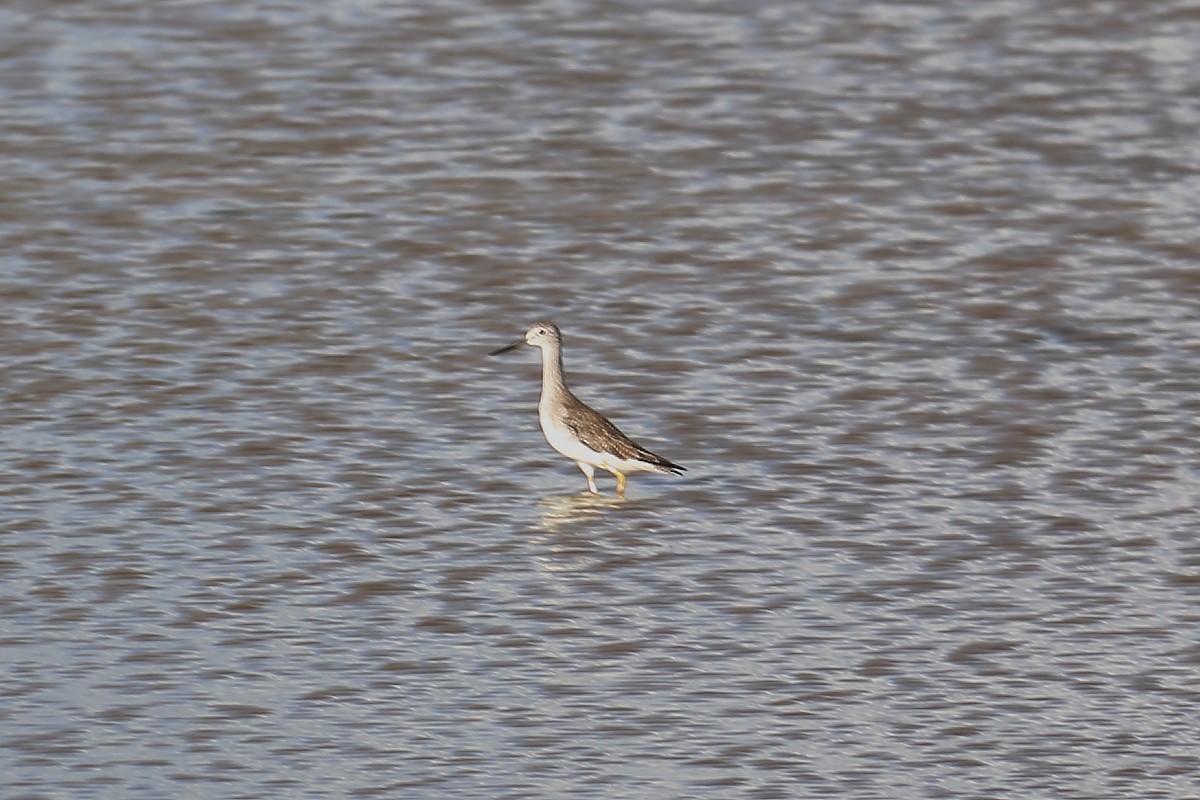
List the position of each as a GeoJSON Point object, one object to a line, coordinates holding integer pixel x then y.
{"type": "Point", "coordinates": [912, 289]}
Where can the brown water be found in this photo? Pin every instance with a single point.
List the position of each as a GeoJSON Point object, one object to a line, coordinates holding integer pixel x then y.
{"type": "Point", "coordinates": [913, 291]}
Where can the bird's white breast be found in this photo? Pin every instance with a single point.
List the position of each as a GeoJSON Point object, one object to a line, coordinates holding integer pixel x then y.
{"type": "Point", "coordinates": [563, 439]}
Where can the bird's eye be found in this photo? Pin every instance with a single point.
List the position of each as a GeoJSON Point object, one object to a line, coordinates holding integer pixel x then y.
{"type": "Point", "coordinates": [541, 331]}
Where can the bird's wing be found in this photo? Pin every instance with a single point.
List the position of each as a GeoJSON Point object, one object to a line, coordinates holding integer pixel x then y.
{"type": "Point", "coordinates": [604, 437]}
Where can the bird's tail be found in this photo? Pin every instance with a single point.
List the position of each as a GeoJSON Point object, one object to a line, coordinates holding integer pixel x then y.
{"type": "Point", "coordinates": [659, 463]}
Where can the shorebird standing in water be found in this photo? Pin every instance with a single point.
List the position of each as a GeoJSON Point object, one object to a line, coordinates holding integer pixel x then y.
{"type": "Point", "coordinates": [574, 428]}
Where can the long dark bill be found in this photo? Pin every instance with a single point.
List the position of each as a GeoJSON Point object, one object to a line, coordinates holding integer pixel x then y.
{"type": "Point", "coordinates": [507, 347]}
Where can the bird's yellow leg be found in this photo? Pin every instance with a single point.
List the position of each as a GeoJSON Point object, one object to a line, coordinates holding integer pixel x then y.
{"type": "Point", "coordinates": [620, 479]}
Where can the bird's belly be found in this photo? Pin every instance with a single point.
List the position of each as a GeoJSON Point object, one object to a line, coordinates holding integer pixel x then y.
{"type": "Point", "coordinates": [563, 439]}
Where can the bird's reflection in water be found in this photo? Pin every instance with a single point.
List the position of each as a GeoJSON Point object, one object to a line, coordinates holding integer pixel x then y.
{"type": "Point", "coordinates": [565, 509]}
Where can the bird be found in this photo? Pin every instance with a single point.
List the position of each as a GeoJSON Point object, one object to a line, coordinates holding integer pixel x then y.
{"type": "Point", "coordinates": [574, 428]}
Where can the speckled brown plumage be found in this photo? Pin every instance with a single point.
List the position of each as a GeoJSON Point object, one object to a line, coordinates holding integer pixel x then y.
{"type": "Point", "coordinates": [601, 435]}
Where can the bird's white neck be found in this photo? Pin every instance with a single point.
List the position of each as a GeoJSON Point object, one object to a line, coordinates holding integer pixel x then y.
{"type": "Point", "coordinates": [553, 384]}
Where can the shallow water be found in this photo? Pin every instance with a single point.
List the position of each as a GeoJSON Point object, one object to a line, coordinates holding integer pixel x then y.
{"type": "Point", "coordinates": [910, 289]}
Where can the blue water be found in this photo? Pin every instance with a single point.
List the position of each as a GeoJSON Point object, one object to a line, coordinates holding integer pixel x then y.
{"type": "Point", "coordinates": [909, 290]}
